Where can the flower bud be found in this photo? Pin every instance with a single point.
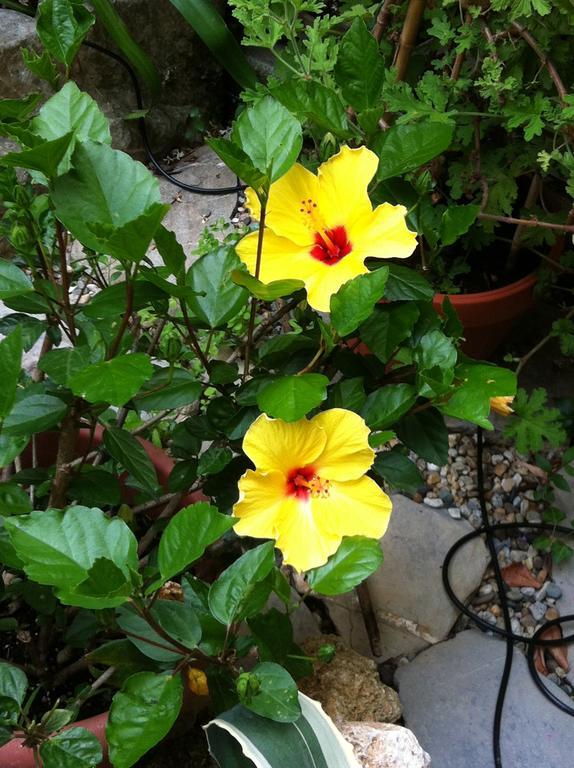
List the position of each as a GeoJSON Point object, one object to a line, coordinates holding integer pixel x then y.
{"type": "Point", "coordinates": [197, 681]}
{"type": "Point", "coordinates": [326, 653]}
{"type": "Point", "coordinates": [247, 686]}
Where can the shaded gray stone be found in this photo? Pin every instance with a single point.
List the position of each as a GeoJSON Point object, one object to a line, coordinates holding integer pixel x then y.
{"type": "Point", "coordinates": [382, 745]}
{"type": "Point", "coordinates": [408, 597]}
{"type": "Point", "coordinates": [189, 75]}
{"type": "Point", "coordinates": [448, 695]}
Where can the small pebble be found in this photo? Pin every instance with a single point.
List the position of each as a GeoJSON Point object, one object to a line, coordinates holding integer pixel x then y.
{"type": "Point", "coordinates": [455, 513]}
{"type": "Point", "coordinates": [528, 622]}
{"type": "Point", "coordinates": [554, 591]}
{"type": "Point", "coordinates": [538, 611]}
{"type": "Point", "coordinates": [507, 484]}
{"type": "Point", "coordinates": [436, 503]}
{"type": "Point", "coordinates": [500, 469]}
{"type": "Point", "coordinates": [514, 595]}
{"type": "Point", "coordinates": [528, 591]}
{"type": "Point", "coordinates": [551, 614]}
{"type": "Point", "coordinates": [515, 627]}
{"type": "Point", "coordinates": [486, 589]}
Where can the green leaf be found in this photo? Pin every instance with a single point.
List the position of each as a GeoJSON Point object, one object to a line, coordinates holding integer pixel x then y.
{"type": "Point", "coordinates": [237, 594]}
{"type": "Point", "coordinates": [387, 327]}
{"type": "Point", "coordinates": [144, 638]}
{"type": "Point", "coordinates": [19, 109]}
{"type": "Point", "coordinates": [354, 301]}
{"type": "Point", "coordinates": [170, 250]}
{"type": "Point", "coordinates": [270, 135]}
{"type": "Point", "coordinates": [46, 157]}
{"type": "Point", "coordinates": [108, 201]}
{"type": "Point", "coordinates": [14, 500]}
{"type": "Point", "coordinates": [179, 621]}
{"type": "Point", "coordinates": [131, 455]}
{"type": "Point", "coordinates": [435, 356]}
{"type": "Point", "coordinates": [70, 111]}
{"type": "Point", "coordinates": [212, 461]}
{"type": "Point", "coordinates": [277, 695]}
{"type": "Point", "coordinates": [13, 687]}
{"type": "Point", "coordinates": [456, 221]}
{"type": "Point", "coordinates": [112, 381]}
{"type": "Point", "coordinates": [426, 434]}
{"type": "Point", "coordinates": [292, 397]}
{"type": "Point", "coordinates": [34, 414]}
{"type": "Point", "coordinates": [119, 33]}
{"type": "Point", "coordinates": [142, 713]}
{"type": "Point", "coordinates": [534, 422]}
{"type": "Point", "coordinates": [74, 748]}
{"type": "Point", "coordinates": [266, 291]}
{"type": "Point", "coordinates": [168, 388]}
{"type": "Point", "coordinates": [61, 26]}
{"type": "Point", "coordinates": [182, 476]}
{"type": "Point", "coordinates": [104, 587]}
{"type": "Point", "coordinates": [386, 405]}
{"type": "Point", "coordinates": [356, 559]}
{"type": "Point", "coordinates": [476, 384]}
{"type": "Point", "coordinates": [406, 284]}
{"type": "Point", "coordinates": [316, 103]}
{"type": "Point", "coordinates": [13, 282]}
{"type": "Point", "coordinates": [31, 328]}
{"type": "Point", "coordinates": [60, 548]}
{"type": "Point", "coordinates": [360, 68]}
{"type": "Point", "coordinates": [187, 536]}
{"type": "Point", "coordinates": [347, 393]}
{"type": "Point", "coordinates": [41, 65]}
{"type": "Point", "coordinates": [10, 363]}
{"type": "Point", "coordinates": [211, 275]}
{"type": "Point", "coordinates": [212, 29]}
{"type": "Point", "coordinates": [62, 364]}
{"type": "Point", "coordinates": [311, 741]}
{"type": "Point", "coordinates": [238, 161]}
{"type": "Point", "coordinates": [405, 147]}
{"type": "Point", "coordinates": [561, 551]}
{"type": "Point", "coordinates": [10, 447]}
{"type": "Point", "coordinates": [398, 471]}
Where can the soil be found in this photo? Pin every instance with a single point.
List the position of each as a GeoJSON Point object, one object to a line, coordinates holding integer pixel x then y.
{"type": "Point", "coordinates": [185, 750]}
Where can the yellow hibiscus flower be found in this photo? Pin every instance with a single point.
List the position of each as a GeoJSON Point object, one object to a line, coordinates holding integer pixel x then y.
{"type": "Point", "coordinates": [320, 229]}
{"type": "Point", "coordinates": [309, 487]}
{"type": "Point", "coordinates": [501, 404]}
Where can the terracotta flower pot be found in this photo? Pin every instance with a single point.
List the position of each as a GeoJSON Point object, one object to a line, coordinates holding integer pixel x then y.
{"type": "Point", "coordinates": [487, 317]}
{"type": "Point", "coordinates": [13, 754]}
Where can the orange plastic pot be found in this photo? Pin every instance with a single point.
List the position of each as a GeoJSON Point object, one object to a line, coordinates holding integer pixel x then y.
{"type": "Point", "coordinates": [488, 317]}
{"type": "Point", "coordinates": [13, 754]}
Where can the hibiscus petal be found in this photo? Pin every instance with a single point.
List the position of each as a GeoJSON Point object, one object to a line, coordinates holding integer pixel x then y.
{"type": "Point", "coordinates": [383, 234]}
{"type": "Point", "coordinates": [354, 508]}
{"type": "Point", "coordinates": [262, 504]}
{"type": "Point", "coordinates": [347, 454]}
{"type": "Point", "coordinates": [343, 182]}
{"type": "Point", "coordinates": [272, 444]}
{"type": "Point", "coordinates": [328, 278]}
{"type": "Point", "coordinates": [304, 539]}
{"type": "Point", "coordinates": [281, 258]}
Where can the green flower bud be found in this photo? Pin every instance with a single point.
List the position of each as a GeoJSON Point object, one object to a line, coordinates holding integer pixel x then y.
{"type": "Point", "coordinates": [326, 653]}
{"type": "Point", "coordinates": [247, 685]}
{"type": "Point", "coordinates": [19, 236]}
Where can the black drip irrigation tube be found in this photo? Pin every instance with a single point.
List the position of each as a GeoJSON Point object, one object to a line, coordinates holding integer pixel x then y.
{"type": "Point", "coordinates": [488, 530]}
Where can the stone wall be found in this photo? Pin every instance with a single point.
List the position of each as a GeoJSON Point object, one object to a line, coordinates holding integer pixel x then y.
{"type": "Point", "coordinates": [190, 77]}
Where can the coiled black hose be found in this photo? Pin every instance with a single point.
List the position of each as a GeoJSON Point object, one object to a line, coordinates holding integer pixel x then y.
{"type": "Point", "coordinates": [488, 530]}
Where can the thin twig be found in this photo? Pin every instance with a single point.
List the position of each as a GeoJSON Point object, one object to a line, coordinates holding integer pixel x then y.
{"type": "Point", "coordinates": [531, 198]}
{"type": "Point", "coordinates": [534, 222]}
{"type": "Point", "coordinates": [193, 336]}
{"type": "Point", "coordinates": [125, 319]}
{"type": "Point", "coordinates": [525, 358]}
{"type": "Point", "coordinates": [369, 617]}
{"type": "Point", "coordinates": [382, 21]}
{"type": "Point", "coordinates": [546, 62]}
{"type": "Point", "coordinates": [459, 60]}
{"type": "Point", "coordinates": [148, 538]}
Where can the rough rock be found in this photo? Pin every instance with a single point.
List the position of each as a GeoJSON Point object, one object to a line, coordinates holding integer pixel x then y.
{"type": "Point", "coordinates": [349, 687]}
{"type": "Point", "coordinates": [449, 693]}
{"type": "Point", "coordinates": [382, 745]}
{"type": "Point", "coordinates": [189, 76]}
{"type": "Point", "coordinates": [408, 597]}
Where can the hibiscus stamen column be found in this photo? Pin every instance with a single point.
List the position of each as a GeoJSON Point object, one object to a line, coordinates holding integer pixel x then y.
{"type": "Point", "coordinates": [253, 313]}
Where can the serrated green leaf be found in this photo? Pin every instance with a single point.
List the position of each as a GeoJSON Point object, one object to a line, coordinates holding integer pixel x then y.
{"type": "Point", "coordinates": [210, 275]}
{"type": "Point", "coordinates": [356, 558]}
{"type": "Point", "coordinates": [266, 291]}
{"type": "Point", "coordinates": [34, 414]}
{"type": "Point", "coordinates": [131, 455]}
{"type": "Point", "coordinates": [61, 26]}
{"type": "Point", "coordinates": [291, 397]}
{"type": "Point", "coordinates": [10, 363]}
{"type": "Point", "coordinates": [360, 67]}
{"type": "Point", "coordinates": [534, 422]}
{"type": "Point", "coordinates": [386, 405]}
{"type": "Point", "coordinates": [405, 147]}
{"type": "Point", "coordinates": [398, 471]}
{"type": "Point", "coordinates": [74, 748]}
{"type": "Point", "coordinates": [354, 301]}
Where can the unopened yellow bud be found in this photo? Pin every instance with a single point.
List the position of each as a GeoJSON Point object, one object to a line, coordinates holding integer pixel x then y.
{"type": "Point", "coordinates": [197, 681]}
{"type": "Point", "coordinates": [502, 405]}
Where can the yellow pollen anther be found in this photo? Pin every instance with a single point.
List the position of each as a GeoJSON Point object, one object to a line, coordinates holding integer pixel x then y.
{"type": "Point", "coordinates": [319, 488]}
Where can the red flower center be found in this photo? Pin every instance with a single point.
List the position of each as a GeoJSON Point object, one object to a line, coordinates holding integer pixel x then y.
{"type": "Point", "coordinates": [331, 245]}
{"type": "Point", "coordinates": [304, 482]}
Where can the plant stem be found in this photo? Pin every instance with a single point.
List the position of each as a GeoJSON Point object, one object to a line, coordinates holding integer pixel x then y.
{"type": "Point", "coordinates": [459, 60]}
{"type": "Point", "coordinates": [409, 32]}
{"type": "Point", "coordinates": [534, 222]}
{"type": "Point", "coordinates": [525, 358]}
{"type": "Point", "coordinates": [251, 326]}
{"type": "Point", "coordinates": [113, 350]}
{"type": "Point", "coordinates": [170, 508]}
{"type": "Point", "coordinates": [193, 336]}
{"type": "Point", "coordinates": [531, 197]}
{"type": "Point", "coordinates": [265, 326]}
{"type": "Point", "coordinates": [527, 37]}
{"type": "Point", "coordinates": [65, 278]}
{"type": "Point", "coordinates": [66, 448]}
{"type": "Point", "coordinates": [382, 21]}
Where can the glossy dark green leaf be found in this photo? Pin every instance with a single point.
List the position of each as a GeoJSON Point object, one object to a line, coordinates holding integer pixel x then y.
{"type": "Point", "coordinates": [168, 388]}
{"type": "Point", "coordinates": [319, 105]}
{"type": "Point", "coordinates": [46, 157]}
{"type": "Point", "coordinates": [179, 620]}
{"type": "Point", "coordinates": [292, 397]}
{"type": "Point", "coordinates": [354, 301]}
{"type": "Point", "coordinates": [112, 381]}
{"type": "Point", "coordinates": [270, 135]}
{"type": "Point", "coordinates": [230, 597]}
{"type": "Point", "coordinates": [187, 535]}
{"type": "Point", "coordinates": [14, 500]}
{"type": "Point", "coordinates": [13, 282]}
{"type": "Point", "coordinates": [266, 291]}
{"type": "Point", "coordinates": [360, 68]}
{"type": "Point", "coordinates": [13, 684]}
{"type": "Point", "coordinates": [405, 284]}
{"type": "Point", "coordinates": [347, 393]}
{"type": "Point", "coordinates": [10, 363]}
{"type": "Point", "coordinates": [426, 434]}
{"type": "Point", "coordinates": [149, 642]}
{"type": "Point", "coordinates": [131, 455]}
{"type": "Point", "coordinates": [277, 696]}
{"type": "Point", "coordinates": [398, 471]}
{"type": "Point", "coordinates": [356, 559]}
{"type": "Point", "coordinates": [211, 276]}
{"type": "Point", "coordinates": [62, 364]}
{"type": "Point", "coordinates": [238, 162]}
{"type": "Point", "coordinates": [74, 748]}
{"type": "Point", "coordinates": [34, 414]}
{"type": "Point", "coordinates": [386, 405]}
{"type": "Point", "coordinates": [215, 459]}
{"type": "Point", "coordinates": [387, 327]}
{"type": "Point", "coordinates": [141, 714]}
{"type": "Point", "coordinates": [476, 384]}
{"type": "Point", "coordinates": [170, 250]}
{"type": "Point", "coordinates": [407, 146]}
{"type": "Point", "coordinates": [182, 476]}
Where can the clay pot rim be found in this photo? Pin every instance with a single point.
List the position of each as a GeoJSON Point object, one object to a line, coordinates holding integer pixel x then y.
{"type": "Point", "coordinates": [496, 294]}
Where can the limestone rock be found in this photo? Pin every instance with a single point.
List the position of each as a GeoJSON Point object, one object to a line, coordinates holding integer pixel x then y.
{"type": "Point", "coordinates": [448, 694]}
{"type": "Point", "coordinates": [383, 745]}
{"type": "Point", "coordinates": [408, 597]}
{"type": "Point", "coordinates": [349, 687]}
